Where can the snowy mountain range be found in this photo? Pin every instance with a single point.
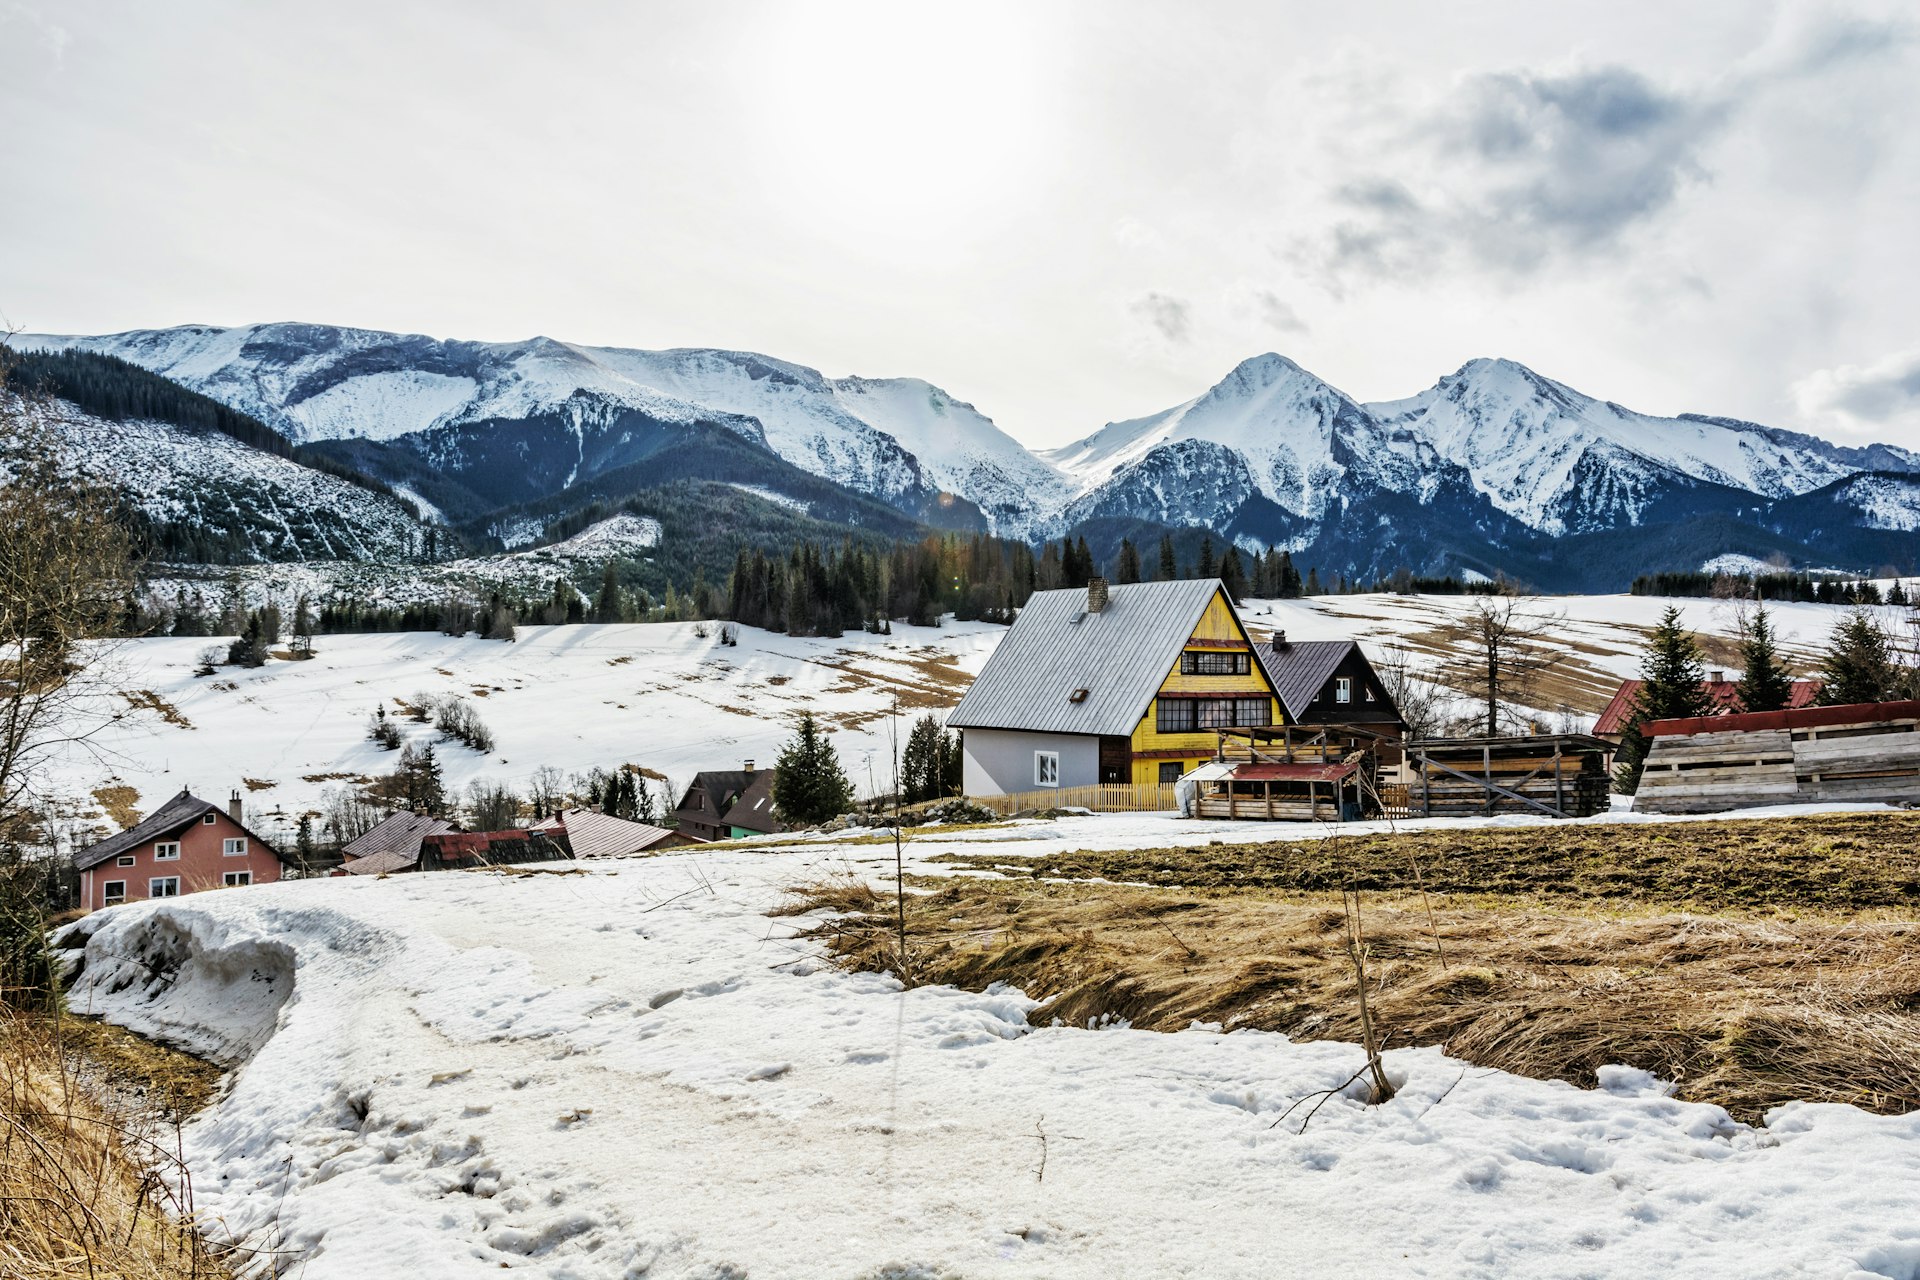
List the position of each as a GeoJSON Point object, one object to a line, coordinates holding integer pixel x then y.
{"type": "Point", "coordinates": [1494, 467]}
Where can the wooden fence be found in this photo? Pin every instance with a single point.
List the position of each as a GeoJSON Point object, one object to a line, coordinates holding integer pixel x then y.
{"type": "Point", "coordinates": [1121, 797]}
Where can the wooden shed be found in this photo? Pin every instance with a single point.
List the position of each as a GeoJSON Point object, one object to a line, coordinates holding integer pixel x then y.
{"type": "Point", "coordinates": [1863, 752]}
{"type": "Point", "coordinates": [1326, 773]}
{"type": "Point", "coordinates": [1563, 775]}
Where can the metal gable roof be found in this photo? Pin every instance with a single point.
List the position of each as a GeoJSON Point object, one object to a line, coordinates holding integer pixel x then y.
{"type": "Point", "coordinates": [1120, 656]}
{"type": "Point", "coordinates": [392, 844]}
{"type": "Point", "coordinates": [1299, 669]}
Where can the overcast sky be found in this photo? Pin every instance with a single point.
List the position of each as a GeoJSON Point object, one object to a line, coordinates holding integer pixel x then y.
{"type": "Point", "coordinates": [1063, 213]}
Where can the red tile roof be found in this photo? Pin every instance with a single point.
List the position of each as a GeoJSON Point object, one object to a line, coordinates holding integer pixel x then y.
{"type": "Point", "coordinates": [1724, 695]}
{"type": "Point", "coordinates": [1294, 772]}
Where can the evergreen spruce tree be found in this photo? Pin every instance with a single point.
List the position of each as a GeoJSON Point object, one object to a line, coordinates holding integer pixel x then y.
{"type": "Point", "coordinates": [1312, 587]}
{"type": "Point", "coordinates": [1288, 586]}
{"type": "Point", "coordinates": [607, 607]}
{"type": "Point", "coordinates": [1766, 684]}
{"type": "Point", "coordinates": [1860, 665]}
{"type": "Point", "coordinates": [1129, 566]}
{"type": "Point", "coordinates": [920, 762]}
{"type": "Point", "coordinates": [810, 787]}
{"type": "Point", "coordinates": [1672, 688]}
{"type": "Point", "coordinates": [1208, 567]}
{"type": "Point", "coordinates": [1169, 567]}
{"type": "Point", "coordinates": [1232, 576]}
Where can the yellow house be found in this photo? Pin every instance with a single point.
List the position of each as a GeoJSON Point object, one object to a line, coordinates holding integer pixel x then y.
{"type": "Point", "coordinates": [1111, 684]}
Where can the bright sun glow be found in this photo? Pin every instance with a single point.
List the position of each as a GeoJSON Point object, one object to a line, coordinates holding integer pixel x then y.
{"type": "Point", "coordinates": [900, 122]}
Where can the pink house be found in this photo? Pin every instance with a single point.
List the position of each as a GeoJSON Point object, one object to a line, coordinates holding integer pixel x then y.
{"type": "Point", "coordinates": [186, 845]}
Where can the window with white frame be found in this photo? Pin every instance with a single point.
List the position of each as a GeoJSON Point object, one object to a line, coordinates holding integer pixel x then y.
{"type": "Point", "coordinates": [163, 887]}
{"type": "Point", "coordinates": [1046, 768]}
{"type": "Point", "coordinates": [232, 879]}
{"type": "Point", "coordinates": [115, 891]}
{"type": "Point", "coordinates": [234, 847]}
{"type": "Point", "coordinates": [125, 860]}
{"type": "Point", "coordinates": [166, 850]}
{"type": "Point", "coordinates": [209, 819]}
{"type": "Point", "coordinates": [1343, 689]}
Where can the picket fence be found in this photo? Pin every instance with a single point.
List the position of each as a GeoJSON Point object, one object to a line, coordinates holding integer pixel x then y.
{"type": "Point", "coordinates": [1118, 797]}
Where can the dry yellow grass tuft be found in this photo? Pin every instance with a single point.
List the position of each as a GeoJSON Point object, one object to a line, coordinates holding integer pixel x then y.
{"type": "Point", "coordinates": [82, 1192]}
{"type": "Point", "coordinates": [121, 802]}
{"type": "Point", "coordinates": [148, 700]}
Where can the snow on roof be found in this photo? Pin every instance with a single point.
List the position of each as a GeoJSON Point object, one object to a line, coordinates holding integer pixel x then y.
{"type": "Point", "coordinates": [1055, 648]}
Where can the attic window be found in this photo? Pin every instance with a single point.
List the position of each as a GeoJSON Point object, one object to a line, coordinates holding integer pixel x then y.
{"type": "Point", "coordinates": [1078, 695]}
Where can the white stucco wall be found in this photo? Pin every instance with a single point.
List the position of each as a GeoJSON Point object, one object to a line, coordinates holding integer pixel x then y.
{"type": "Point", "coordinates": [999, 761]}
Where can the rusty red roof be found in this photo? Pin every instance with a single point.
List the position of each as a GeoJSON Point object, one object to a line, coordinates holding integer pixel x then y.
{"type": "Point", "coordinates": [1294, 772]}
{"type": "Point", "coordinates": [1724, 694]}
{"type": "Point", "coordinates": [1798, 718]}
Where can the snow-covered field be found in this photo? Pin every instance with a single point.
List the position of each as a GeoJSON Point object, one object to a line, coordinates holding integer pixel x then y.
{"type": "Point", "coordinates": [637, 1070]}
{"type": "Point", "coordinates": [664, 697]}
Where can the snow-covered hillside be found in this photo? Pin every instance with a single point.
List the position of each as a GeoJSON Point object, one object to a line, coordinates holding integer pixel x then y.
{"type": "Point", "coordinates": [217, 489]}
{"type": "Point", "coordinates": [641, 1068]}
{"type": "Point", "coordinates": [661, 695]}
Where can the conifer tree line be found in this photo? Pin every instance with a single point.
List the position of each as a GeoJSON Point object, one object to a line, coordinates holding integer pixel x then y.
{"type": "Point", "coordinates": [1796, 588]}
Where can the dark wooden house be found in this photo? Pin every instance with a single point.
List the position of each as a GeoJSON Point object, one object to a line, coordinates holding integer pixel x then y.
{"type": "Point", "coordinates": [728, 804]}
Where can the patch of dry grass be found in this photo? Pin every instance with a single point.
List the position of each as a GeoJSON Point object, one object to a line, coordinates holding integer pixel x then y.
{"type": "Point", "coordinates": [121, 802]}
{"type": "Point", "coordinates": [1840, 862]}
{"type": "Point", "coordinates": [148, 700]}
{"type": "Point", "coordinates": [83, 1192]}
{"type": "Point", "coordinates": [1560, 955]}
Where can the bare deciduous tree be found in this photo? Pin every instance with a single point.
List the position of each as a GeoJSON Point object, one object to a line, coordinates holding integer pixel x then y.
{"type": "Point", "coordinates": [1507, 644]}
{"type": "Point", "coordinates": [66, 571]}
{"type": "Point", "coordinates": [1417, 698]}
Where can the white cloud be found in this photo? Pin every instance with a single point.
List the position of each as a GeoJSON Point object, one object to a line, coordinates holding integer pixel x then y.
{"type": "Point", "coordinates": [1865, 398]}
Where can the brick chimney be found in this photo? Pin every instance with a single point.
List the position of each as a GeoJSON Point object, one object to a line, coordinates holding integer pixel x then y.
{"type": "Point", "coordinates": [749, 765]}
{"type": "Point", "coordinates": [234, 809]}
{"type": "Point", "coordinates": [1279, 640]}
{"type": "Point", "coordinates": [1096, 594]}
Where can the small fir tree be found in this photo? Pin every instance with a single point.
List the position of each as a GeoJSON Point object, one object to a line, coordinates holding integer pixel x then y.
{"type": "Point", "coordinates": [1860, 665]}
{"type": "Point", "coordinates": [1766, 684]}
{"type": "Point", "coordinates": [810, 787]}
{"type": "Point", "coordinates": [1128, 570]}
{"type": "Point", "coordinates": [1169, 566]}
{"type": "Point", "coordinates": [1208, 567]}
{"type": "Point", "coordinates": [1672, 687]}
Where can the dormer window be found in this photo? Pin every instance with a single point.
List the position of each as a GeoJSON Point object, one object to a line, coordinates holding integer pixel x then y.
{"type": "Point", "coordinates": [1343, 689]}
